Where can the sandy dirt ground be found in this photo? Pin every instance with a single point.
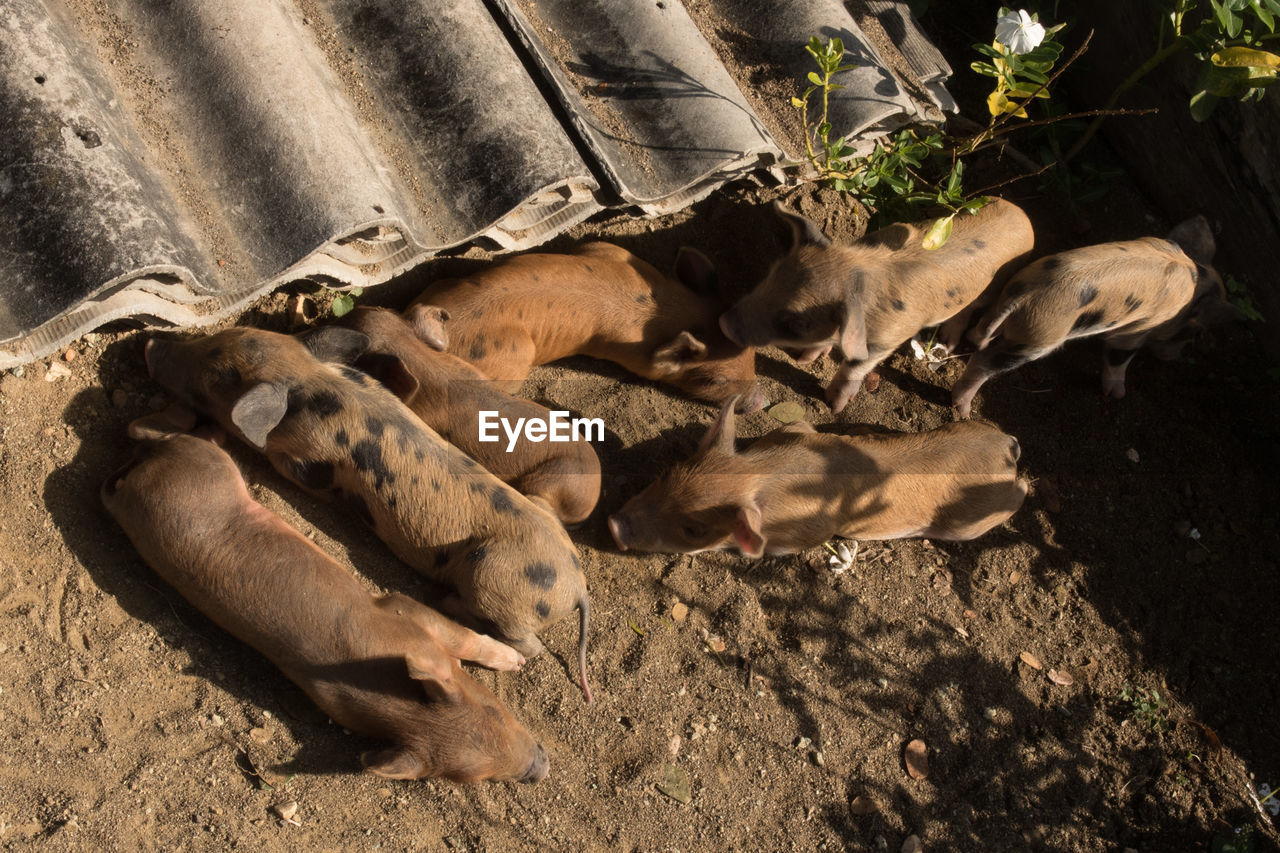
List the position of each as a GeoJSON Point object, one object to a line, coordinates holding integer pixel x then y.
{"type": "Point", "coordinates": [130, 720]}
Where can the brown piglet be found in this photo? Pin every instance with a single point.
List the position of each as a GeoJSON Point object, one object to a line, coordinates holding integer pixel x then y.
{"type": "Point", "coordinates": [449, 394]}
{"type": "Point", "coordinates": [871, 297]}
{"type": "Point", "coordinates": [333, 430]}
{"type": "Point", "coordinates": [600, 301]}
{"type": "Point", "coordinates": [796, 488]}
{"type": "Point", "coordinates": [1147, 292]}
{"type": "Point", "coordinates": [384, 666]}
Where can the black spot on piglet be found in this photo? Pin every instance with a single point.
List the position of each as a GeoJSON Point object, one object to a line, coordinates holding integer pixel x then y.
{"type": "Point", "coordinates": [367, 456]}
{"type": "Point", "coordinates": [1088, 293]}
{"type": "Point", "coordinates": [313, 475]}
{"type": "Point", "coordinates": [501, 501]}
{"type": "Point", "coordinates": [541, 575]}
{"type": "Point", "coordinates": [1086, 320]}
{"type": "Point", "coordinates": [543, 609]}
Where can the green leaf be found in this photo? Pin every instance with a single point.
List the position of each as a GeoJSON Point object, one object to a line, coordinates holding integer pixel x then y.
{"type": "Point", "coordinates": [988, 50]}
{"type": "Point", "coordinates": [797, 103]}
{"type": "Point", "coordinates": [986, 69]}
{"type": "Point", "coordinates": [1202, 105]}
{"type": "Point", "coordinates": [939, 233]}
{"type": "Point", "coordinates": [1264, 15]}
{"type": "Point", "coordinates": [1242, 57]}
{"type": "Point", "coordinates": [342, 304]}
{"type": "Point", "coordinates": [953, 181]}
{"type": "Point", "coordinates": [814, 78]}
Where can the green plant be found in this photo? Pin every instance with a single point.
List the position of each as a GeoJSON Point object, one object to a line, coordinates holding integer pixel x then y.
{"type": "Point", "coordinates": [344, 301]}
{"type": "Point", "coordinates": [1241, 841]}
{"type": "Point", "coordinates": [1226, 37]}
{"type": "Point", "coordinates": [917, 168]}
{"type": "Point", "coordinates": [1146, 707]}
{"type": "Point", "coordinates": [1239, 294]}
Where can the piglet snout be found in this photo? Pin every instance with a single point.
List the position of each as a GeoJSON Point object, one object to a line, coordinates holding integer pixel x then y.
{"type": "Point", "coordinates": [752, 402]}
{"type": "Point", "coordinates": [538, 768]}
{"type": "Point", "coordinates": [618, 527]}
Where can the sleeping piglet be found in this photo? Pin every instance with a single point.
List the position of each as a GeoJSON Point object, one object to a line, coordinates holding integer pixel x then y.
{"type": "Point", "coordinates": [384, 666]}
{"type": "Point", "coordinates": [1152, 292]}
{"type": "Point", "coordinates": [871, 297]}
{"type": "Point", "coordinates": [796, 488]}
{"type": "Point", "coordinates": [448, 394]}
{"type": "Point", "coordinates": [600, 301]}
{"type": "Point", "coordinates": [332, 429]}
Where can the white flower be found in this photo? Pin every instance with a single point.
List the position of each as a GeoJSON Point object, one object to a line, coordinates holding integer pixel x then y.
{"type": "Point", "coordinates": [933, 354]}
{"type": "Point", "coordinates": [841, 557]}
{"type": "Point", "coordinates": [1019, 32]}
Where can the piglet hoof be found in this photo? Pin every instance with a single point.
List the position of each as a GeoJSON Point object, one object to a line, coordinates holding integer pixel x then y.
{"type": "Point", "coordinates": [500, 656]}
{"type": "Point", "coordinates": [872, 382]}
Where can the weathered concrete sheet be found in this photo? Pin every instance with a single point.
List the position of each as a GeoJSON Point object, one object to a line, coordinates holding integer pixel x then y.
{"type": "Point", "coordinates": [647, 93]}
{"type": "Point", "coordinates": [872, 102]}
{"type": "Point", "coordinates": [172, 161]}
{"type": "Point", "coordinates": [928, 63]}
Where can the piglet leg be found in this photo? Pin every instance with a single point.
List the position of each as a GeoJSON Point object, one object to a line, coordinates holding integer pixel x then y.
{"type": "Point", "coordinates": [462, 643]}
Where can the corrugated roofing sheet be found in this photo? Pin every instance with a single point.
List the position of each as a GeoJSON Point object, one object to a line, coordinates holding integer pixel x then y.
{"type": "Point", "coordinates": [172, 161]}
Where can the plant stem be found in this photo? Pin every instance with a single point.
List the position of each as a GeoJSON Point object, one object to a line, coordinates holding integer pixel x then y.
{"type": "Point", "coordinates": [1153, 62]}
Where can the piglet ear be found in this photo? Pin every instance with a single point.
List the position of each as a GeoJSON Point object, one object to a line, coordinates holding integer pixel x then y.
{"type": "Point", "coordinates": [719, 438]}
{"type": "Point", "coordinates": [428, 322]}
{"type": "Point", "coordinates": [172, 421]}
{"type": "Point", "coordinates": [674, 355]}
{"type": "Point", "coordinates": [853, 326]}
{"type": "Point", "coordinates": [392, 373]}
{"type": "Point", "coordinates": [396, 763]}
{"type": "Point", "coordinates": [335, 344]}
{"type": "Point", "coordinates": [747, 533]}
{"type": "Point", "coordinates": [1195, 238]}
{"type": "Point", "coordinates": [260, 410]}
{"type": "Point", "coordinates": [435, 674]}
{"type": "Point", "coordinates": [696, 271]}
{"type": "Point", "coordinates": [803, 232]}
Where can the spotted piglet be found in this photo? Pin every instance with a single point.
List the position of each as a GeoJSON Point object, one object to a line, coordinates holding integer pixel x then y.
{"type": "Point", "coordinates": [1152, 292]}
{"type": "Point", "coordinates": [448, 394]}
{"type": "Point", "coordinates": [795, 488]}
{"type": "Point", "coordinates": [600, 301]}
{"type": "Point", "coordinates": [384, 666]}
{"type": "Point", "coordinates": [332, 429]}
{"type": "Point", "coordinates": [871, 297]}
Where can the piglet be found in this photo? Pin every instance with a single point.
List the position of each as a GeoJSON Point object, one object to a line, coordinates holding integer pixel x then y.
{"type": "Point", "coordinates": [600, 301]}
{"type": "Point", "coordinates": [796, 488]}
{"type": "Point", "coordinates": [333, 430]}
{"type": "Point", "coordinates": [871, 297]}
{"type": "Point", "coordinates": [1152, 292]}
{"type": "Point", "coordinates": [448, 394]}
{"type": "Point", "coordinates": [384, 666]}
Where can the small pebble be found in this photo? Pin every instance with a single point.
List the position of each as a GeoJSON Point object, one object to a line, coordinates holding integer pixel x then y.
{"type": "Point", "coordinates": [69, 355]}
{"type": "Point", "coordinates": [286, 811]}
{"type": "Point", "coordinates": [1131, 455]}
{"type": "Point", "coordinates": [819, 759]}
{"type": "Point", "coordinates": [18, 371]}
{"type": "Point", "coordinates": [679, 611]}
{"type": "Point", "coordinates": [882, 682]}
{"type": "Point", "coordinates": [881, 842]}
{"type": "Point", "coordinates": [990, 714]}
